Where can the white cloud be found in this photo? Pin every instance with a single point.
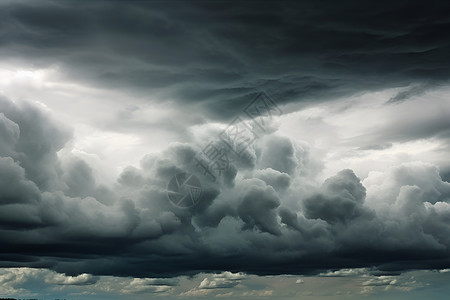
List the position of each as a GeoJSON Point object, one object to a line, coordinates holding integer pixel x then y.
{"type": "Point", "coordinates": [148, 285]}
{"type": "Point", "coordinates": [346, 272]}
{"type": "Point", "coordinates": [82, 279]}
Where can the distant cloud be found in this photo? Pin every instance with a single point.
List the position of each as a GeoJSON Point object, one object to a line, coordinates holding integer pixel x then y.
{"type": "Point", "coordinates": [82, 279]}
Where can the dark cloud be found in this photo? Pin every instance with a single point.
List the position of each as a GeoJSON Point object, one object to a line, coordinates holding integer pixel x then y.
{"type": "Point", "coordinates": [277, 180]}
{"type": "Point", "coordinates": [257, 208]}
{"type": "Point", "coordinates": [13, 180]}
{"type": "Point", "coordinates": [215, 56]}
{"type": "Point", "coordinates": [35, 141]}
{"type": "Point", "coordinates": [340, 199]}
{"type": "Point", "coordinates": [417, 90]}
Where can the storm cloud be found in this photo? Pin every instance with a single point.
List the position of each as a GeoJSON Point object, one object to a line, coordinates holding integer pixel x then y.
{"type": "Point", "coordinates": [270, 221]}
{"type": "Point", "coordinates": [214, 56]}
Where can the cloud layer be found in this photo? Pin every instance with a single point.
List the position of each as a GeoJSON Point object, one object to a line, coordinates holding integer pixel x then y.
{"type": "Point", "coordinates": [265, 217]}
{"type": "Point", "coordinates": [212, 56]}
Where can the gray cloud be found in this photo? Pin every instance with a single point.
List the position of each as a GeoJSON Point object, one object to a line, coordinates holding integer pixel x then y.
{"type": "Point", "coordinates": [340, 200]}
{"type": "Point", "coordinates": [214, 56]}
{"type": "Point", "coordinates": [416, 90]}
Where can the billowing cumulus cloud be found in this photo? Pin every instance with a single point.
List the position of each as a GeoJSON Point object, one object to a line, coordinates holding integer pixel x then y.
{"type": "Point", "coordinates": [341, 200]}
{"type": "Point", "coordinates": [269, 221]}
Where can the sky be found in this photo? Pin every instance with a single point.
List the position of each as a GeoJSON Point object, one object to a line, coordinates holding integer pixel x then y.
{"type": "Point", "coordinates": [224, 149]}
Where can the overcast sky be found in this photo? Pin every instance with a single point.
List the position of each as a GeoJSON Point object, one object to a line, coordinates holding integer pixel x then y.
{"type": "Point", "coordinates": [200, 149]}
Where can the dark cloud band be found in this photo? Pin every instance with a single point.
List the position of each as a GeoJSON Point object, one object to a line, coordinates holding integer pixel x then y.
{"type": "Point", "coordinates": [214, 56]}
